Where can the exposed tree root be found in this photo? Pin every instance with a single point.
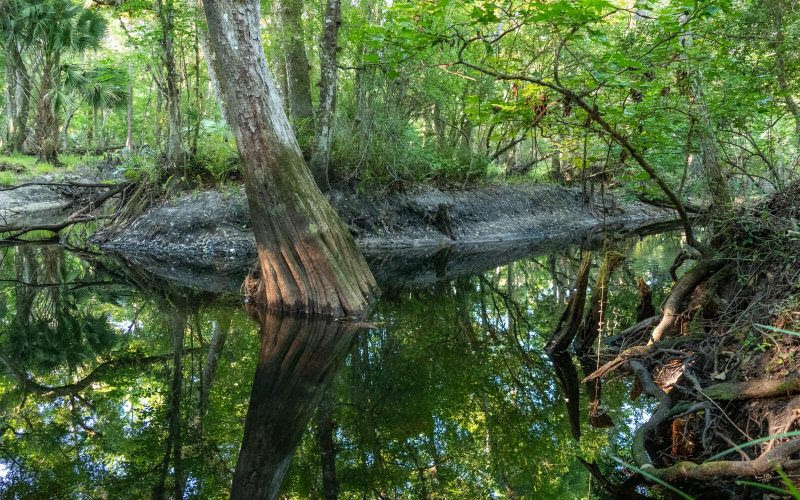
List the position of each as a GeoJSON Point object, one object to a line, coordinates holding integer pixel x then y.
{"type": "Point", "coordinates": [671, 313]}
{"type": "Point", "coordinates": [759, 388]}
{"type": "Point", "coordinates": [779, 457]}
{"type": "Point", "coordinates": [680, 294]}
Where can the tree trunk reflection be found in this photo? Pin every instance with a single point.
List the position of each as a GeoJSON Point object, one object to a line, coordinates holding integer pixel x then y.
{"type": "Point", "coordinates": [299, 356]}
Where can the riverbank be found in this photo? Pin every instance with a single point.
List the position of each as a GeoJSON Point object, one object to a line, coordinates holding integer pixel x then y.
{"type": "Point", "coordinates": [213, 227]}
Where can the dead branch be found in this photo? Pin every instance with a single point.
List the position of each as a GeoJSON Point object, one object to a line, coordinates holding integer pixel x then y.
{"type": "Point", "coordinates": [80, 216]}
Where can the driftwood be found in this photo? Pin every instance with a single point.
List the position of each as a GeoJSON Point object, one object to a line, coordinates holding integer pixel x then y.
{"type": "Point", "coordinates": [84, 214]}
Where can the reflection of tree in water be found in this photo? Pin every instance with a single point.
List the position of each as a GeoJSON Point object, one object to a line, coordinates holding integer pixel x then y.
{"type": "Point", "coordinates": [298, 357]}
{"type": "Point", "coordinates": [450, 395]}
{"type": "Point", "coordinates": [51, 323]}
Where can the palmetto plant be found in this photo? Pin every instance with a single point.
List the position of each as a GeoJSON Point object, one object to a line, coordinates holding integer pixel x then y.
{"type": "Point", "coordinates": [47, 33]}
{"type": "Point", "coordinates": [102, 87]}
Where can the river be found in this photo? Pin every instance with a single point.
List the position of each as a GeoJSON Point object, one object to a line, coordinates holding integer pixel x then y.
{"type": "Point", "coordinates": [120, 383]}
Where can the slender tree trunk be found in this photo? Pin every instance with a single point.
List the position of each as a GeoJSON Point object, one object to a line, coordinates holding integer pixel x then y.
{"type": "Point", "coordinates": [556, 175]}
{"type": "Point", "coordinates": [466, 137]}
{"type": "Point", "coordinates": [712, 166]}
{"type": "Point", "coordinates": [129, 116]}
{"type": "Point", "coordinates": [19, 92]}
{"type": "Point", "coordinates": [215, 348]}
{"type": "Point", "coordinates": [174, 442]}
{"type": "Point", "coordinates": [292, 42]}
{"type": "Point", "coordinates": [91, 131]}
{"type": "Point", "coordinates": [309, 262]}
{"type": "Point", "coordinates": [299, 356]}
{"type": "Point", "coordinates": [327, 93]}
{"type": "Point", "coordinates": [47, 123]}
{"type": "Point", "coordinates": [326, 430]}
{"type": "Point", "coordinates": [175, 152]}
{"type": "Point", "coordinates": [103, 134]}
{"type": "Point", "coordinates": [25, 266]}
{"type": "Point", "coordinates": [283, 85]}
{"type": "Point", "coordinates": [439, 126]}
{"type": "Point", "coordinates": [209, 58]}
{"type": "Point", "coordinates": [198, 95]}
{"type": "Point", "coordinates": [776, 9]}
{"type": "Point", "coordinates": [11, 101]}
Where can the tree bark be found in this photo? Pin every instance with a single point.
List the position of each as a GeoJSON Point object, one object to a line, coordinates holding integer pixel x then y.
{"type": "Point", "coordinates": [47, 123]}
{"type": "Point", "coordinates": [327, 93]}
{"type": "Point", "coordinates": [292, 42]}
{"type": "Point", "coordinates": [299, 356]}
{"type": "Point", "coordinates": [309, 262]}
{"type": "Point", "coordinates": [175, 152]}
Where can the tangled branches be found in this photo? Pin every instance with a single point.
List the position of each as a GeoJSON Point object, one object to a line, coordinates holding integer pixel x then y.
{"type": "Point", "coordinates": [718, 380]}
{"type": "Point", "coordinates": [86, 213]}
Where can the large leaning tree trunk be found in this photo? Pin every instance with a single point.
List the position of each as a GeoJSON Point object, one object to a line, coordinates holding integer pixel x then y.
{"type": "Point", "coordinates": [327, 93]}
{"type": "Point", "coordinates": [298, 359]}
{"type": "Point", "coordinates": [309, 261]}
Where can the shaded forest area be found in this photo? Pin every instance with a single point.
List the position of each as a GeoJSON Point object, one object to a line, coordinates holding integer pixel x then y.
{"type": "Point", "coordinates": [685, 105]}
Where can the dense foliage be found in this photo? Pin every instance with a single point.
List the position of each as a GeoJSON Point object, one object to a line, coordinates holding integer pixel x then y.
{"type": "Point", "coordinates": [435, 91]}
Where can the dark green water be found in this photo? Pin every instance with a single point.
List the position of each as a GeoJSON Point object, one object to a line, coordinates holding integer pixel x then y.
{"type": "Point", "coordinates": [449, 395]}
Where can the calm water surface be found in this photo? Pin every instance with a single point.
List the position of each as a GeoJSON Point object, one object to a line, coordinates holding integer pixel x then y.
{"type": "Point", "coordinates": [117, 383]}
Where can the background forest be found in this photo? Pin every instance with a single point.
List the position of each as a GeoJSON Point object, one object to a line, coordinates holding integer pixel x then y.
{"type": "Point", "coordinates": [425, 91]}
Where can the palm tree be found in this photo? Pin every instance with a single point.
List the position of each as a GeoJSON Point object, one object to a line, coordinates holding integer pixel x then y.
{"type": "Point", "coordinates": [48, 32]}
{"type": "Point", "coordinates": [103, 87]}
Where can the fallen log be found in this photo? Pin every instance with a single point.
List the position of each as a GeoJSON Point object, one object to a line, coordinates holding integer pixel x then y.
{"type": "Point", "coordinates": [754, 389]}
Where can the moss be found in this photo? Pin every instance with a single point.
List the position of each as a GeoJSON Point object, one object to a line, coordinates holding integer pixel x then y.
{"type": "Point", "coordinates": [723, 392]}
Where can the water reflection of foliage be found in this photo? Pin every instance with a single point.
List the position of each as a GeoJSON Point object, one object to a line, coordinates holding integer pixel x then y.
{"type": "Point", "coordinates": [450, 396]}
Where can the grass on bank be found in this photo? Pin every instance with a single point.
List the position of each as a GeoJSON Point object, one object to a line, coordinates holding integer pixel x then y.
{"type": "Point", "coordinates": [18, 167]}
